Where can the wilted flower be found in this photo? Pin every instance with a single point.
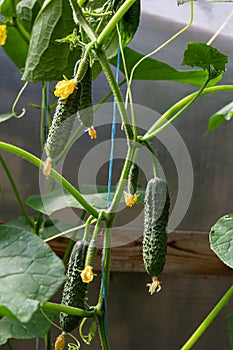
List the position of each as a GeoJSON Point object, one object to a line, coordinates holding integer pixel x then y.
{"type": "Point", "coordinates": [92, 132]}
{"type": "Point", "coordinates": [87, 274]}
{"type": "Point", "coordinates": [130, 199]}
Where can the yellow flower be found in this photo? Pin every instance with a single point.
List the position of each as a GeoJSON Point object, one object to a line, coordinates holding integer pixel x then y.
{"type": "Point", "coordinates": [87, 274]}
{"type": "Point", "coordinates": [3, 34]}
{"type": "Point", "coordinates": [154, 286]}
{"type": "Point", "coordinates": [60, 342]}
{"type": "Point", "coordinates": [65, 88]}
{"type": "Point", "coordinates": [130, 199]}
{"type": "Point", "coordinates": [92, 132]}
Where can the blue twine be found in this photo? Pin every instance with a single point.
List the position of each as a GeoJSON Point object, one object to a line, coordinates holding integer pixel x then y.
{"type": "Point", "coordinates": [113, 132]}
{"type": "Point", "coordinates": [37, 343]}
{"type": "Point", "coordinates": [111, 158]}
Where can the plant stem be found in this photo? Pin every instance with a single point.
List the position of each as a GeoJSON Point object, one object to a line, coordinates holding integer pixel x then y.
{"type": "Point", "coordinates": [16, 192]}
{"type": "Point", "coordinates": [102, 302]}
{"type": "Point", "coordinates": [54, 174]}
{"type": "Point", "coordinates": [178, 106]}
{"type": "Point", "coordinates": [123, 178]}
{"type": "Point", "coordinates": [10, 347]}
{"type": "Point", "coordinates": [47, 341]}
{"type": "Point", "coordinates": [154, 157]}
{"type": "Point", "coordinates": [163, 121]}
{"type": "Point", "coordinates": [68, 309]}
{"type": "Point", "coordinates": [208, 320]}
{"type": "Point", "coordinates": [102, 333]}
{"type": "Point", "coordinates": [116, 91]}
{"type": "Point", "coordinates": [160, 48]}
{"type": "Point", "coordinates": [81, 20]}
{"type": "Point", "coordinates": [23, 33]}
{"type": "Point", "coordinates": [133, 119]}
{"type": "Point", "coordinates": [114, 20]}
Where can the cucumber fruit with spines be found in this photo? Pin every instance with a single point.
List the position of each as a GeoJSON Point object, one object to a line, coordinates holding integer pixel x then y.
{"type": "Point", "coordinates": [156, 214]}
{"type": "Point", "coordinates": [75, 290]}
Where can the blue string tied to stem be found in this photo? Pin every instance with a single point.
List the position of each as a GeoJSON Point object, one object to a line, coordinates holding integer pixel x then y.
{"type": "Point", "coordinates": [110, 173]}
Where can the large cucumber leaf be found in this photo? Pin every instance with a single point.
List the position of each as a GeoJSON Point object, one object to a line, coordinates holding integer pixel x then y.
{"type": "Point", "coordinates": [7, 8]}
{"type": "Point", "coordinates": [47, 59]}
{"type": "Point", "coordinates": [59, 199]}
{"type": "Point", "coordinates": [27, 10]}
{"type": "Point", "coordinates": [151, 69]}
{"type": "Point", "coordinates": [30, 272]}
{"type": "Point", "coordinates": [16, 47]}
{"type": "Point", "coordinates": [221, 239]}
{"type": "Point", "coordinates": [127, 25]}
{"type": "Point", "coordinates": [37, 326]}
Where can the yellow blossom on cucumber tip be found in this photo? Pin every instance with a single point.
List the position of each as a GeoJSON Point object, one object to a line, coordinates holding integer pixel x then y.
{"type": "Point", "coordinates": [65, 88]}
{"type": "Point", "coordinates": [154, 286]}
{"type": "Point", "coordinates": [92, 132]}
{"type": "Point", "coordinates": [87, 274]}
{"type": "Point", "coordinates": [130, 199]}
{"type": "Point", "coordinates": [3, 34]}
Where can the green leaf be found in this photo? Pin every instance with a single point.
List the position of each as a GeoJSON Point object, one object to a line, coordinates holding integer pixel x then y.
{"type": "Point", "coordinates": [7, 8]}
{"type": "Point", "coordinates": [151, 69]}
{"type": "Point", "coordinates": [221, 239]}
{"type": "Point", "coordinates": [50, 228]}
{"type": "Point", "coordinates": [38, 326]}
{"type": "Point", "coordinates": [6, 116]}
{"type": "Point", "coordinates": [223, 115]}
{"type": "Point", "coordinates": [30, 272]}
{"type": "Point", "coordinates": [16, 47]}
{"type": "Point", "coordinates": [27, 10]}
{"type": "Point", "coordinates": [47, 59]}
{"type": "Point", "coordinates": [206, 57]}
{"type": "Point", "coordinates": [130, 22]}
{"type": "Point", "coordinates": [230, 328]}
{"type": "Point", "coordinates": [127, 25]}
{"type": "Point", "coordinates": [59, 199]}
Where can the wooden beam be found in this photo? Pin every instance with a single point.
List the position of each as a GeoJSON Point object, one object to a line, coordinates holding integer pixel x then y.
{"type": "Point", "coordinates": [188, 253]}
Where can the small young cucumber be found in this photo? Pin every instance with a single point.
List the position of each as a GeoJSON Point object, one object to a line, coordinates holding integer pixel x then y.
{"type": "Point", "coordinates": [85, 113]}
{"type": "Point", "coordinates": [133, 178]}
{"type": "Point", "coordinates": [74, 292]}
{"type": "Point", "coordinates": [156, 214]}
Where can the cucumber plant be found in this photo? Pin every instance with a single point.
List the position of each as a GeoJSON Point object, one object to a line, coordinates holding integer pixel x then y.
{"type": "Point", "coordinates": [49, 41]}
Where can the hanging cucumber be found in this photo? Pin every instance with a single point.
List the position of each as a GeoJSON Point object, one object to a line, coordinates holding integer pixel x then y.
{"type": "Point", "coordinates": [133, 178]}
{"type": "Point", "coordinates": [62, 123]}
{"type": "Point", "coordinates": [74, 292]}
{"type": "Point", "coordinates": [85, 113]}
{"type": "Point", "coordinates": [156, 214]}
{"type": "Point", "coordinates": [131, 196]}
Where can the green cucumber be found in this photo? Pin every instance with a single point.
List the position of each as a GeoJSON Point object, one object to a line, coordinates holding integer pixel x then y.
{"type": "Point", "coordinates": [156, 214]}
{"type": "Point", "coordinates": [62, 124]}
{"type": "Point", "coordinates": [133, 178]}
{"type": "Point", "coordinates": [74, 292]}
{"type": "Point", "coordinates": [85, 113]}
